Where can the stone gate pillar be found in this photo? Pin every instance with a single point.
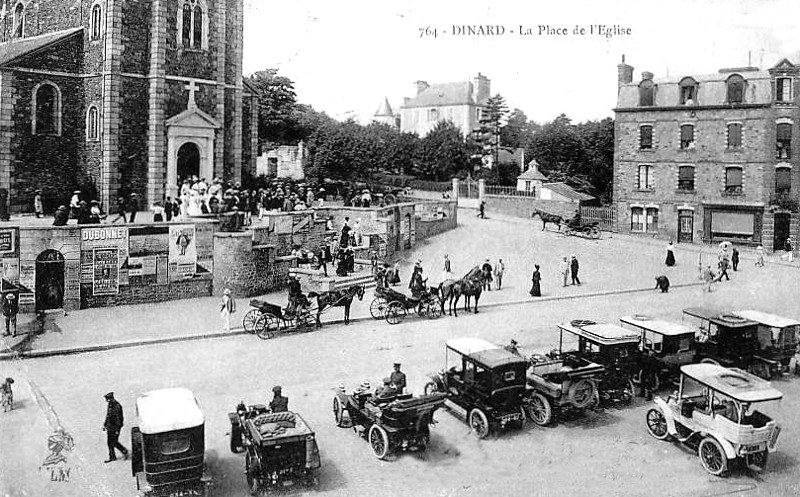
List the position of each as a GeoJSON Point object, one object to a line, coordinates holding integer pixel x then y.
{"type": "Point", "coordinates": [454, 195]}
{"type": "Point", "coordinates": [481, 188]}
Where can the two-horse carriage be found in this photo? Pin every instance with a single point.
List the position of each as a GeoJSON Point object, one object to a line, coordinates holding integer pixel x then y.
{"type": "Point", "coordinates": [393, 306]}
{"type": "Point", "coordinates": [572, 227]}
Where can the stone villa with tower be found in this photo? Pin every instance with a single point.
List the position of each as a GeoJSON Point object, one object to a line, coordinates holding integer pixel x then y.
{"type": "Point", "coordinates": [460, 103]}
{"type": "Point", "coordinates": [124, 96]}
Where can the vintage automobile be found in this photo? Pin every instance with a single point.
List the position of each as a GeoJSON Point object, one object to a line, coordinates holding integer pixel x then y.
{"type": "Point", "coordinates": [484, 384]}
{"type": "Point", "coordinates": [281, 447]}
{"type": "Point", "coordinates": [390, 422]}
{"type": "Point", "coordinates": [559, 383]}
{"type": "Point", "coordinates": [777, 339]}
{"type": "Point", "coordinates": [714, 411]}
{"type": "Point", "coordinates": [609, 345]}
{"type": "Point", "coordinates": [724, 338]}
{"type": "Point", "coordinates": [672, 345]}
{"type": "Point", "coordinates": [168, 445]}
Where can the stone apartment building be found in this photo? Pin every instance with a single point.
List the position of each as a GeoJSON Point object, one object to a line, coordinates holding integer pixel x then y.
{"type": "Point", "coordinates": [708, 158]}
{"type": "Point", "coordinates": [460, 103]}
{"type": "Point", "coordinates": [122, 96]}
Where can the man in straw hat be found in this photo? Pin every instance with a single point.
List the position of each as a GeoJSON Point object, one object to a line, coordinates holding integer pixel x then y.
{"type": "Point", "coordinates": [228, 307]}
{"type": "Point", "coordinates": [10, 310]}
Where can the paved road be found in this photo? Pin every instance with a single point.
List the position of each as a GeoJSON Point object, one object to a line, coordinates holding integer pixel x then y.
{"type": "Point", "coordinates": [604, 453]}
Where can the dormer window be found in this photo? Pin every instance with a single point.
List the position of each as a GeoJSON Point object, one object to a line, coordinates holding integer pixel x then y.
{"type": "Point", "coordinates": [647, 93]}
{"type": "Point", "coordinates": [783, 89]}
{"type": "Point", "coordinates": [735, 89]}
{"type": "Point", "coordinates": [688, 87]}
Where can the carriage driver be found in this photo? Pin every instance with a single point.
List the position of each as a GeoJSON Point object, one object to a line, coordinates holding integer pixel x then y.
{"type": "Point", "coordinates": [296, 297]}
{"type": "Point", "coordinates": [279, 403]}
{"type": "Point", "coordinates": [398, 378]}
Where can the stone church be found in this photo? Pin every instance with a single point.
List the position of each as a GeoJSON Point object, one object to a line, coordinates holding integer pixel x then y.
{"type": "Point", "coordinates": [121, 96]}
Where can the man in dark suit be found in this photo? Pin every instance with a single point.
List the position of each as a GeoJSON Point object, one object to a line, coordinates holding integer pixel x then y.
{"type": "Point", "coordinates": [279, 403]}
{"type": "Point", "coordinates": [112, 427]}
{"type": "Point", "coordinates": [133, 206]}
{"type": "Point", "coordinates": [398, 378]}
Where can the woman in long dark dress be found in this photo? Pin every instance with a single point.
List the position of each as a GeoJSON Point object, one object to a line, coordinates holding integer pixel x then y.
{"type": "Point", "coordinates": [670, 255]}
{"type": "Point", "coordinates": [536, 290]}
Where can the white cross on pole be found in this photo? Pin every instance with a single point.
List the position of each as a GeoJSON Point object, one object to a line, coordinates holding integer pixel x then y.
{"type": "Point", "coordinates": [192, 88]}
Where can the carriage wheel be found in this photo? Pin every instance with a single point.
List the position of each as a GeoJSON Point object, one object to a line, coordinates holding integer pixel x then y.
{"type": "Point", "coordinates": [379, 440]}
{"type": "Point", "coordinates": [434, 310]}
{"type": "Point", "coordinates": [395, 313]}
{"type": "Point", "coordinates": [338, 412]}
{"type": "Point", "coordinates": [305, 319]}
{"type": "Point", "coordinates": [253, 483]}
{"type": "Point", "coordinates": [250, 319]}
{"type": "Point", "coordinates": [267, 326]}
{"type": "Point", "coordinates": [377, 307]}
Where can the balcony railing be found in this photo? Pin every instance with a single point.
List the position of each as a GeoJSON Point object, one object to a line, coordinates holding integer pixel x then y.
{"type": "Point", "coordinates": [732, 191]}
{"type": "Point", "coordinates": [784, 200]}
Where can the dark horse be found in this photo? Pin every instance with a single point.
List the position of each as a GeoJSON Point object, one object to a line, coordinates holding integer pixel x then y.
{"type": "Point", "coordinates": [546, 217]}
{"type": "Point", "coordinates": [337, 298]}
{"type": "Point", "coordinates": [470, 285]}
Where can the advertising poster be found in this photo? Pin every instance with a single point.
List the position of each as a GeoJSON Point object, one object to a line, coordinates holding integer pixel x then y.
{"type": "Point", "coordinates": [106, 271]}
{"type": "Point", "coordinates": [162, 274]}
{"type": "Point", "coordinates": [27, 283]}
{"type": "Point", "coordinates": [182, 252]}
{"type": "Point", "coordinates": [8, 241]}
{"type": "Point", "coordinates": [102, 238]}
{"type": "Point", "coordinates": [11, 271]}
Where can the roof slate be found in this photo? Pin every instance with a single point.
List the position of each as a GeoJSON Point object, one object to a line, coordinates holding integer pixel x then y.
{"type": "Point", "coordinates": [443, 94]}
{"type": "Point", "coordinates": [19, 47]}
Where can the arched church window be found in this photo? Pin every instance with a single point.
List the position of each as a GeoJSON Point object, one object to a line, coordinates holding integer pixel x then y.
{"type": "Point", "coordinates": [47, 110]}
{"type": "Point", "coordinates": [19, 20]}
{"type": "Point", "coordinates": [97, 22]}
{"type": "Point", "coordinates": [93, 123]}
{"type": "Point", "coordinates": [197, 28]}
{"type": "Point", "coordinates": [187, 26]}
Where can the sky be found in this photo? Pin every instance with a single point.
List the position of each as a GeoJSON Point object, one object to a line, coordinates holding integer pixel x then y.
{"type": "Point", "coordinates": [346, 56]}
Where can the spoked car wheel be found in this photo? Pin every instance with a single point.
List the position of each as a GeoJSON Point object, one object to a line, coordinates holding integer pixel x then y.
{"type": "Point", "coordinates": [479, 423]}
{"type": "Point", "coordinates": [338, 412]}
{"type": "Point", "coordinates": [250, 319]}
{"type": "Point", "coordinates": [434, 310]}
{"type": "Point", "coordinates": [657, 424]}
{"type": "Point", "coordinates": [712, 456]}
{"type": "Point", "coordinates": [267, 326]}
{"type": "Point", "coordinates": [540, 410]}
{"type": "Point", "coordinates": [253, 483]}
{"type": "Point", "coordinates": [379, 441]}
{"type": "Point", "coordinates": [395, 313]}
{"type": "Point", "coordinates": [628, 392]}
{"type": "Point", "coordinates": [377, 307]}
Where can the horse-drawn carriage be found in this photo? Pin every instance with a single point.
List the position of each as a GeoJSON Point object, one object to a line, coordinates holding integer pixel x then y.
{"type": "Point", "coordinates": [572, 227]}
{"type": "Point", "coordinates": [397, 422]}
{"type": "Point", "coordinates": [393, 306]}
{"type": "Point", "coordinates": [266, 319]}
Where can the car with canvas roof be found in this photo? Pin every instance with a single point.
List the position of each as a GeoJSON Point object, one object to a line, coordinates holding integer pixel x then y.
{"type": "Point", "coordinates": [777, 340]}
{"type": "Point", "coordinates": [671, 344]}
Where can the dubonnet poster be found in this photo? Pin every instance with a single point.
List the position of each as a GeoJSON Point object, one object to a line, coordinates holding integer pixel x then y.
{"type": "Point", "coordinates": [182, 252]}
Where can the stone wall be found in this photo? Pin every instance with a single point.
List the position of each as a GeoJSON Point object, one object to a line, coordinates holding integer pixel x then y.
{"type": "Point", "coordinates": [524, 206]}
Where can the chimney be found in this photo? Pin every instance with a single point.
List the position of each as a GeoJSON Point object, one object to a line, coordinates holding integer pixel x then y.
{"type": "Point", "coordinates": [624, 73]}
{"type": "Point", "coordinates": [421, 86]}
{"type": "Point", "coordinates": [480, 89]}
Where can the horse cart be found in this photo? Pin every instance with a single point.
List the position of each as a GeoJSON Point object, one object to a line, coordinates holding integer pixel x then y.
{"type": "Point", "coordinates": [281, 447]}
{"type": "Point", "coordinates": [266, 319]}
{"type": "Point", "coordinates": [390, 423]}
{"type": "Point", "coordinates": [393, 306]}
{"type": "Point", "coordinates": [576, 227]}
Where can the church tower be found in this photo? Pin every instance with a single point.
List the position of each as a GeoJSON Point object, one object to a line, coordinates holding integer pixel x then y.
{"type": "Point", "coordinates": [384, 114]}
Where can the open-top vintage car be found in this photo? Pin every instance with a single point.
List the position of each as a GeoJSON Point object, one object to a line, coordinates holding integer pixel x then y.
{"type": "Point", "coordinates": [168, 445]}
{"type": "Point", "coordinates": [725, 339]}
{"type": "Point", "coordinates": [390, 422]}
{"type": "Point", "coordinates": [484, 384]}
{"type": "Point", "coordinates": [715, 411]}
{"type": "Point", "coordinates": [777, 339]}
{"type": "Point", "coordinates": [612, 346]}
{"type": "Point", "coordinates": [672, 345]}
{"type": "Point", "coordinates": [558, 383]}
{"type": "Point", "coordinates": [281, 447]}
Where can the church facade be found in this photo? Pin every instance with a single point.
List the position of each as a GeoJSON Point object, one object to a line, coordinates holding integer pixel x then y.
{"type": "Point", "coordinates": [119, 96]}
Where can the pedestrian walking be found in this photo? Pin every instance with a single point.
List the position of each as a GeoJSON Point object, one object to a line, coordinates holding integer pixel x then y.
{"type": "Point", "coordinates": [7, 395]}
{"type": "Point", "coordinates": [723, 269]}
{"type": "Point", "coordinates": [447, 273]}
{"type": "Point", "coordinates": [133, 206]}
{"type": "Point", "coordinates": [536, 278]}
{"type": "Point", "coordinates": [760, 256]}
{"type": "Point", "coordinates": [487, 270]}
{"type": "Point", "coordinates": [573, 267]}
{"type": "Point", "coordinates": [74, 204]}
{"type": "Point", "coordinates": [10, 310]}
{"type": "Point", "coordinates": [345, 238]}
{"type": "Point", "coordinates": [670, 254]}
{"type": "Point", "coordinates": [735, 259]}
{"type": "Point", "coordinates": [482, 210]}
{"type": "Point", "coordinates": [121, 208]}
{"type": "Point", "coordinates": [227, 308]}
{"type": "Point", "coordinates": [113, 426]}
{"type": "Point", "coordinates": [564, 268]}
{"type": "Point", "coordinates": [158, 212]}
{"type": "Point", "coordinates": [38, 204]}
{"type": "Point", "coordinates": [708, 278]}
{"type": "Point", "coordinates": [499, 269]}
{"type": "Point", "coordinates": [662, 283]}
{"type": "Point", "coordinates": [788, 250]}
